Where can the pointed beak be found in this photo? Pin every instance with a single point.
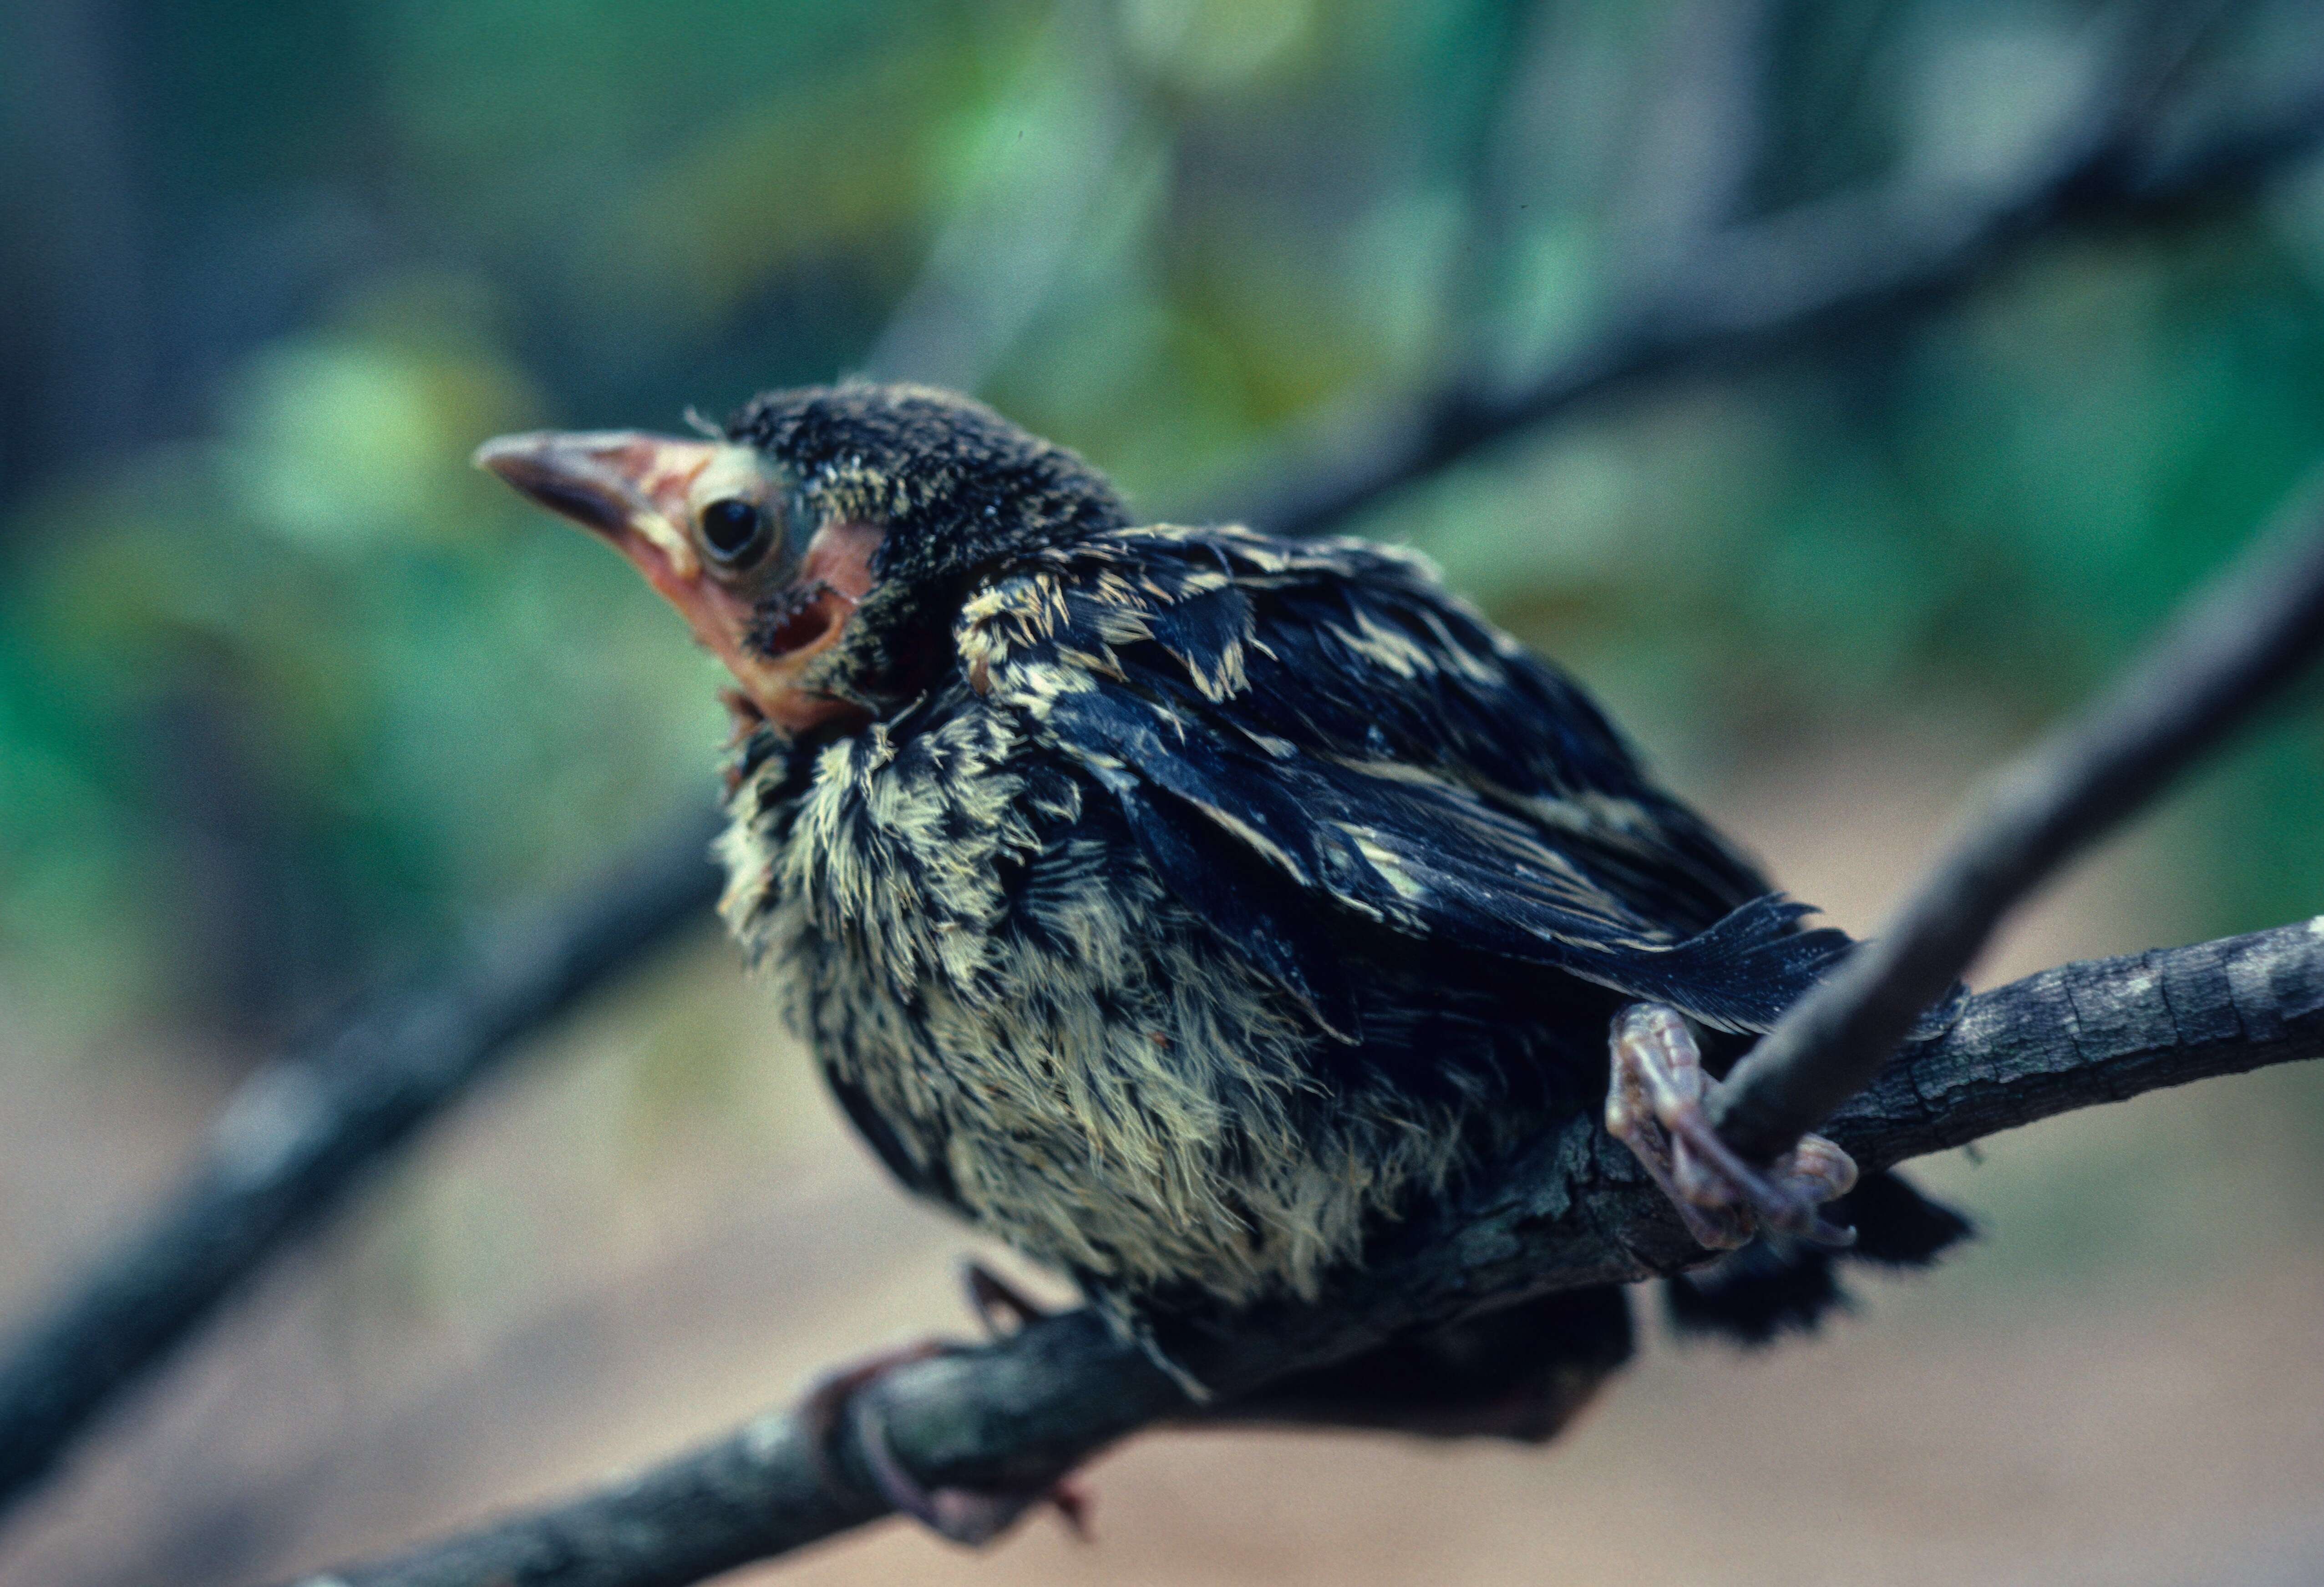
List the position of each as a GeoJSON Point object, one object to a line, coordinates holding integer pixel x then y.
{"type": "Point", "coordinates": [627, 485]}
{"type": "Point", "coordinates": [631, 489]}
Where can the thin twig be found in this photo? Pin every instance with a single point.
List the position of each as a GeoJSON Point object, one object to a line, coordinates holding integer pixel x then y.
{"type": "Point", "coordinates": [2236, 647]}
{"type": "Point", "coordinates": [307, 1127]}
{"type": "Point", "coordinates": [1774, 284]}
{"type": "Point", "coordinates": [1575, 1211]}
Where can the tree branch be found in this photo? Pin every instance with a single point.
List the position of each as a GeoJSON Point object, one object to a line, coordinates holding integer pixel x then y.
{"type": "Point", "coordinates": [307, 1127]}
{"type": "Point", "coordinates": [1774, 284]}
{"type": "Point", "coordinates": [1574, 1211]}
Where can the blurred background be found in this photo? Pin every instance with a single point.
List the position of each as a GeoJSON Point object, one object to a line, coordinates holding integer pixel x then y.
{"type": "Point", "coordinates": [289, 696]}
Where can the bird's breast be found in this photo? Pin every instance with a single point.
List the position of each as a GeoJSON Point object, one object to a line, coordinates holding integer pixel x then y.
{"type": "Point", "coordinates": [979, 955]}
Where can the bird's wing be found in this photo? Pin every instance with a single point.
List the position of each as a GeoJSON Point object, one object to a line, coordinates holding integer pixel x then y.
{"type": "Point", "coordinates": [1311, 740]}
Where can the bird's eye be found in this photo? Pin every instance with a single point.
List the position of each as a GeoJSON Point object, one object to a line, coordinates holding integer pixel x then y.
{"type": "Point", "coordinates": [735, 531]}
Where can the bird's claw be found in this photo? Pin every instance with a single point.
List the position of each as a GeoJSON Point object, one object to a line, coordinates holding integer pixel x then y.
{"type": "Point", "coordinates": [968, 1516]}
{"type": "Point", "coordinates": [962, 1514]}
{"type": "Point", "coordinates": [999, 1304]}
{"type": "Point", "coordinates": [1654, 1106]}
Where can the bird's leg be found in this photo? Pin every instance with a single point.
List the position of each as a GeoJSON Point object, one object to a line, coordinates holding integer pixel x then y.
{"type": "Point", "coordinates": [1654, 1106]}
{"type": "Point", "coordinates": [964, 1515]}
{"type": "Point", "coordinates": [999, 1304]}
{"type": "Point", "coordinates": [827, 1401]}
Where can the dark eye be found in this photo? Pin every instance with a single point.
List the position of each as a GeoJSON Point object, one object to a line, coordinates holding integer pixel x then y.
{"type": "Point", "coordinates": [735, 531]}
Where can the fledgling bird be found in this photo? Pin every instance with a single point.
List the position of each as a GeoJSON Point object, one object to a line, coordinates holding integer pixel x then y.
{"type": "Point", "coordinates": [1183, 906]}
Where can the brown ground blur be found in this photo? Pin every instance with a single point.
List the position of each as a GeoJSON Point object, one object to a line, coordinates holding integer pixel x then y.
{"type": "Point", "coordinates": [637, 1241]}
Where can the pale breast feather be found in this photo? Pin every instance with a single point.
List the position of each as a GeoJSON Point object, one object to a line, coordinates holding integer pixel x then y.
{"type": "Point", "coordinates": [1027, 1025]}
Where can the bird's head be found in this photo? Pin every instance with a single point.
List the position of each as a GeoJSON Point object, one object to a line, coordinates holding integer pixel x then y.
{"type": "Point", "coordinates": [821, 543]}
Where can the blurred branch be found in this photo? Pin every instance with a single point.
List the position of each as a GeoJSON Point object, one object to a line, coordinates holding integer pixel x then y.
{"type": "Point", "coordinates": [1700, 128]}
{"type": "Point", "coordinates": [1574, 1212]}
{"type": "Point", "coordinates": [305, 1130]}
{"type": "Point", "coordinates": [2247, 637]}
{"type": "Point", "coordinates": [1770, 285]}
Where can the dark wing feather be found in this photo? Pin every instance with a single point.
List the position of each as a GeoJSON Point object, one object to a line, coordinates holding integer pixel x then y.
{"type": "Point", "coordinates": [1287, 727]}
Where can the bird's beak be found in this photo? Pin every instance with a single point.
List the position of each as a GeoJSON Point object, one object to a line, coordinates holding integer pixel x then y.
{"type": "Point", "coordinates": [639, 492]}
{"type": "Point", "coordinates": [624, 485]}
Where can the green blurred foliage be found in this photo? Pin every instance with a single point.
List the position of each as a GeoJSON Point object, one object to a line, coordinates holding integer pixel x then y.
{"type": "Point", "coordinates": [287, 691]}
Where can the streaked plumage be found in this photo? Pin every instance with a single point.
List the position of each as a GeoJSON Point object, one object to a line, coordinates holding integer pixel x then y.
{"type": "Point", "coordinates": [1225, 894]}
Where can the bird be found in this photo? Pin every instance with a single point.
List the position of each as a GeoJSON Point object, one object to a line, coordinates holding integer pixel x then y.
{"type": "Point", "coordinates": [1187, 906]}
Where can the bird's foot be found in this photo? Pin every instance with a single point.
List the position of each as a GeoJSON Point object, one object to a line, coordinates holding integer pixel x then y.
{"type": "Point", "coordinates": [999, 1304]}
{"type": "Point", "coordinates": [964, 1515]}
{"type": "Point", "coordinates": [1654, 1106]}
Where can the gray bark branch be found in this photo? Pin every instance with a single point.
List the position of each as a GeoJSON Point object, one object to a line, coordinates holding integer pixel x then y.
{"type": "Point", "coordinates": [1576, 1211]}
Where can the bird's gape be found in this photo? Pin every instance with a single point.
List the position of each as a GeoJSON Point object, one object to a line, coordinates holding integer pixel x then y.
{"type": "Point", "coordinates": [705, 521]}
{"type": "Point", "coordinates": [804, 617]}
{"type": "Point", "coordinates": [793, 624]}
